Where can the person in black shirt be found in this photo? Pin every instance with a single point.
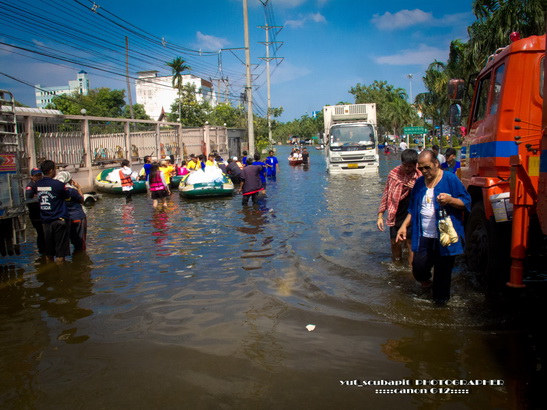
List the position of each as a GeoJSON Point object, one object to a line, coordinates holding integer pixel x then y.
{"type": "Point", "coordinates": [34, 208]}
{"type": "Point", "coordinates": [54, 213]}
{"type": "Point", "coordinates": [305, 157]}
{"type": "Point", "coordinates": [252, 184]}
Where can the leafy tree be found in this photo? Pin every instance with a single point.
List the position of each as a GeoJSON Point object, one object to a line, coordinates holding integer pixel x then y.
{"type": "Point", "coordinates": [193, 113]}
{"type": "Point", "coordinates": [178, 67]}
{"type": "Point", "coordinates": [392, 110]}
{"type": "Point", "coordinates": [99, 102]}
{"type": "Point", "coordinates": [224, 113]}
{"type": "Point", "coordinates": [139, 112]}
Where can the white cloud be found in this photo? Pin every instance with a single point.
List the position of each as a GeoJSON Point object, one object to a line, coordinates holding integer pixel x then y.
{"type": "Point", "coordinates": [314, 17]}
{"type": "Point", "coordinates": [401, 19]}
{"type": "Point", "coordinates": [210, 43]}
{"type": "Point", "coordinates": [423, 55]}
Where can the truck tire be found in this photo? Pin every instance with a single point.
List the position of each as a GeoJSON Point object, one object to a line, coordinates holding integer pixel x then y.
{"type": "Point", "coordinates": [487, 248]}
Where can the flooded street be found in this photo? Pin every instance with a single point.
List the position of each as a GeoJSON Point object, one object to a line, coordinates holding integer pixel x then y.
{"type": "Point", "coordinates": [204, 305]}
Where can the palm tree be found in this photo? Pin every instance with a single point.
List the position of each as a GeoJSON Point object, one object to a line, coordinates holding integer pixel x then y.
{"type": "Point", "coordinates": [178, 66]}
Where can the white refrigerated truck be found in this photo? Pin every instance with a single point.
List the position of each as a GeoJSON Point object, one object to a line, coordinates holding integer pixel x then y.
{"type": "Point", "coordinates": [351, 136]}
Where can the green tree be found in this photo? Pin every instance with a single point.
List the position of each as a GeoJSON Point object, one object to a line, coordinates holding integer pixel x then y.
{"type": "Point", "coordinates": [392, 110]}
{"type": "Point", "coordinates": [193, 113]}
{"type": "Point", "coordinates": [178, 67]}
{"type": "Point", "coordinates": [139, 112]}
{"type": "Point", "coordinates": [224, 113]}
{"type": "Point", "coordinates": [99, 102]}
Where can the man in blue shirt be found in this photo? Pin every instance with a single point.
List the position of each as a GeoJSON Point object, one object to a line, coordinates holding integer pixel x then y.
{"type": "Point", "coordinates": [435, 193]}
{"type": "Point", "coordinates": [263, 171]}
{"type": "Point", "coordinates": [271, 165]}
{"type": "Point", "coordinates": [54, 213]}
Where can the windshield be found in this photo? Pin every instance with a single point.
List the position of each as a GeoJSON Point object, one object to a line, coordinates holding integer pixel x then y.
{"type": "Point", "coordinates": [353, 136]}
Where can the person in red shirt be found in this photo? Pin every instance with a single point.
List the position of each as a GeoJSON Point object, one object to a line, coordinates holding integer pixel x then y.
{"type": "Point", "coordinates": [395, 201]}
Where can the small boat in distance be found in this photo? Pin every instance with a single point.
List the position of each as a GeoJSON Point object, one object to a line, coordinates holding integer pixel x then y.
{"type": "Point", "coordinates": [294, 162]}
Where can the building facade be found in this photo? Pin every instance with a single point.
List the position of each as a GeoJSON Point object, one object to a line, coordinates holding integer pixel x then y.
{"type": "Point", "coordinates": [44, 95]}
{"type": "Point", "coordinates": [157, 94]}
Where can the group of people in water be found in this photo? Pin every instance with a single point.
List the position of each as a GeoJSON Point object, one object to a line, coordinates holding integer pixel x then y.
{"type": "Point", "coordinates": [158, 174]}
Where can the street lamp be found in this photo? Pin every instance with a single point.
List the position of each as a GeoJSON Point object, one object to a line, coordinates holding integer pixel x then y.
{"type": "Point", "coordinates": [410, 79]}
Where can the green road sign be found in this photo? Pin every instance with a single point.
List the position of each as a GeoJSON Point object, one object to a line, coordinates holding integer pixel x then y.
{"type": "Point", "coordinates": [414, 130]}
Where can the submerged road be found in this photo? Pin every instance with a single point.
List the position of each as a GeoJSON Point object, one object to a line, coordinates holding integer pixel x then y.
{"type": "Point", "coordinates": [208, 305]}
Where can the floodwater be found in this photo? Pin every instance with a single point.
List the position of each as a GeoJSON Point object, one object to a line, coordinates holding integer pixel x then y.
{"type": "Point", "coordinates": [205, 305]}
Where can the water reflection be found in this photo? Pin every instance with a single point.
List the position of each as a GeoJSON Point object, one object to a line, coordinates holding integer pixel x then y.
{"type": "Point", "coordinates": [63, 287]}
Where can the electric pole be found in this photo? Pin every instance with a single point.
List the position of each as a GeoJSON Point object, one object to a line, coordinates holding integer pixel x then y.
{"type": "Point", "coordinates": [267, 43]}
{"type": "Point", "coordinates": [249, 86]}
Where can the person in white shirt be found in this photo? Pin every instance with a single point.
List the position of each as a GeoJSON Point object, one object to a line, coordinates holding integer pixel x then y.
{"type": "Point", "coordinates": [440, 157]}
{"type": "Point", "coordinates": [403, 145]}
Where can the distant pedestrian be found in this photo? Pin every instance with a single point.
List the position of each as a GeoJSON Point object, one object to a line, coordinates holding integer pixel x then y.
{"type": "Point", "coordinates": [158, 186]}
{"type": "Point", "coordinates": [451, 165]}
{"type": "Point", "coordinates": [233, 170]}
{"type": "Point", "coordinates": [257, 161]}
{"type": "Point", "coordinates": [34, 208]}
{"type": "Point", "coordinates": [145, 170]}
{"type": "Point", "coordinates": [78, 217]}
{"type": "Point", "coordinates": [244, 158]}
{"type": "Point", "coordinates": [52, 195]}
{"type": "Point", "coordinates": [251, 182]}
{"type": "Point", "coordinates": [436, 151]}
{"type": "Point", "coordinates": [126, 180]}
{"type": "Point", "coordinates": [305, 156]}
{"type": "Point", "coordinates": [272, 165]}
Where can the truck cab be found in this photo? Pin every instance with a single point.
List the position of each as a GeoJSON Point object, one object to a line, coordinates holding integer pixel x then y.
{"type": "Point", "coordinates": [500, 162]}
{"type": "Point", "coordinates": [351, 137]}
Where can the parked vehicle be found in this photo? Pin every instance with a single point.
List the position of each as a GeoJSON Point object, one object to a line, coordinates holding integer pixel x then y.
{"type": "Point", "coordinates": [504, 164]}
{"type": "Point", "coordinates": [12, 177]}
{"type": "Point", "coordinates": [350, 132]}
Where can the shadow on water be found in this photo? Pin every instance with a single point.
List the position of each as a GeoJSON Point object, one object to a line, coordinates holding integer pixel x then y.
{"type": "Point", "coordinates": [204, 304]}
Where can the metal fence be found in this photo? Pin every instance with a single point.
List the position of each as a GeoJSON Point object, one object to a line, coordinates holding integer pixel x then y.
{"type": "Point", "coordinates": [84, 142]}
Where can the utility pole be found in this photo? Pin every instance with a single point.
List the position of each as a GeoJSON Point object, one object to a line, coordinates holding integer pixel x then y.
{"type": "Point", "coordinates": [267, 43]}
{"type": "Point", "coordinates": [249, 86]}
{"type": "Point", "coordinates": [127, 78]}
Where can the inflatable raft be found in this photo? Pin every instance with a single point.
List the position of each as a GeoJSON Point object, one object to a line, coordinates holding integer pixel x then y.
{"type": "Point", "coordinates": [206, 189]}
{"type": "Point", "coordinates": [104, 185]}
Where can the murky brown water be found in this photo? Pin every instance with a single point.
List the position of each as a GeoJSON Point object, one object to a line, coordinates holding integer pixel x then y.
{"type": "Point", "coordinates": [204, 305]}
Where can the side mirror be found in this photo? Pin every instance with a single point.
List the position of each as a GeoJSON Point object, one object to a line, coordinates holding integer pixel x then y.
{"type": "Point", "coordinates": [455, 115]}
{"type": "Point", "coordinates": [456, 89]}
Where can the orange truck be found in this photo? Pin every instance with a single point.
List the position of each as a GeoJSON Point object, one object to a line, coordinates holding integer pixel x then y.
{"type": "Point", "coordinates": [504, 164]}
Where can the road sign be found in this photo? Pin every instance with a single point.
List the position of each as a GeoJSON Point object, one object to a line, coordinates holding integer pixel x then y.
{"type": "Point", "coordinates": [414, 130]}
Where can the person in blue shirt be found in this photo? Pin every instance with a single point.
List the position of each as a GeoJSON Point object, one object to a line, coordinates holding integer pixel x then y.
{"type": "Point", "coordinates": [451, 164]}
{"type": "Point", "coordinates": [244, 159]}
{"type": "Point", "coordinates": [272, 165]}
{"type": "Point", "coordinates": [433, 192]}
{"type": "Point", "coordinates": [78, 217]}
{"type": "Point", "coordinates": [263, 171]}
{"type": "Point", "coordinates": [52, 195]}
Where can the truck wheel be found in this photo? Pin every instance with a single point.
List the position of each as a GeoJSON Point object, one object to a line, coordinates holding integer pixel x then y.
{"type": "Point", "coordinates": [476, 240]}
{"type": "Point", "coordinates": [487, 248]}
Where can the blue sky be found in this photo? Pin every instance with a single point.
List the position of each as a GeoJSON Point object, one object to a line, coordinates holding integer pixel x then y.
{"type": "Point", "coordinates": [328, 46]}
